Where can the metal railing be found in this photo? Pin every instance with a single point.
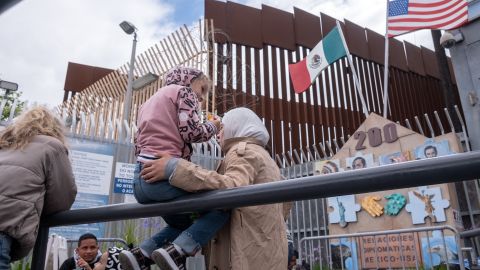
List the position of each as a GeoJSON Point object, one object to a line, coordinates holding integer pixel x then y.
{"type": "Point", "coordinates": [121, 241]}
{"type": "Point", "coordinates": [458, 167]}
{"type": "Point", "coordinates": [400, 248]}
{"type": "Point", "coordinates": [470, 233]}
{"type": "Point", "coordinates": [471, 236]}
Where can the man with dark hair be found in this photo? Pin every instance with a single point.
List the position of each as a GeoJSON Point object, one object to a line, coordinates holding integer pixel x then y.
{"type": "Point", "coordinates": [359, 163]}
{"type": "Point", "coordinates": [430, 151]}
{"type": "Point", "coordinates": [87, 255]}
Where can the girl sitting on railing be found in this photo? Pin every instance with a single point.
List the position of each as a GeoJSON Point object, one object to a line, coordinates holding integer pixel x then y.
{"type": "Point", "coordinates": [169, 123]}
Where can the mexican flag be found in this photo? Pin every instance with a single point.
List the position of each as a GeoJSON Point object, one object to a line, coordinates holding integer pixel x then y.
{"type": "Point", "coordinates": [327, 51]}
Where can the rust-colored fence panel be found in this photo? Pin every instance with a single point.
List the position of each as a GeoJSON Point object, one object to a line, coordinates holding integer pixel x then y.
{"type": "Point", "coordinates": [355, 34]}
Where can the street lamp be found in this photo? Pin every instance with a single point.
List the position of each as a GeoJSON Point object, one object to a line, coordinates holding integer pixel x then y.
{"type": "Point", "coordinates": [8, 86]}
{"type": "Point", "coordinates": [144, 80]}
{"type": "Point", "coordinates": [129, 28]}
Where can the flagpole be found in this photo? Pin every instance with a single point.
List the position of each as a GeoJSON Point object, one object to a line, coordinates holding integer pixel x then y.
{"type": "Point", "coordinates": [385, 68]}
{"type": "Point", "coordinates": [354, 73]}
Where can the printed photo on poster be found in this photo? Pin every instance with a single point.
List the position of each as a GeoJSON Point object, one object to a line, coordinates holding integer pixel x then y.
{"type": "Point", "coordinates": [432, 149]}
{"type": "Point", "coordinates": [359, 161]}
{"type": "Point", "coordinates": [396, 157]}
{"type": "Point", "coordinates": [344, 254]}
{"type": "Point", "coordinates": [438, 249]}
{"type": "Point", "coordinates": [327, 166]}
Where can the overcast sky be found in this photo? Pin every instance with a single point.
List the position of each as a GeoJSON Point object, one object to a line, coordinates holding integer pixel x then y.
{"type": "Point", "coordinates": [39, 37]}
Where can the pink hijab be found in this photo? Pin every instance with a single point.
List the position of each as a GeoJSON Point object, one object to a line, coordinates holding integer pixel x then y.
{"type": "Point", "coordinates": [182, 76]}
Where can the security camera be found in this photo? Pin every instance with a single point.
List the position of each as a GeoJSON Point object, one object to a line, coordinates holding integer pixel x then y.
{"type": "Point", "coordinates": [449, 39]}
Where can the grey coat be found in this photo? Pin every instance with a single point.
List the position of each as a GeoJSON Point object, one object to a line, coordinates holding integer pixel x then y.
{"type": "Point", "coordinates": [34, 181]}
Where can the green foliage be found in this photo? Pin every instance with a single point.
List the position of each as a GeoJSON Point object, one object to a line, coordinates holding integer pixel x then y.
{"type": "Point", "coordinates": [129, 232]}
{"type": "Point", "coordinates": [11, 97]}
{"type": "Point", "coordinates": [21, 265]}
{"type": "Point", "coordinates": [317, 267]}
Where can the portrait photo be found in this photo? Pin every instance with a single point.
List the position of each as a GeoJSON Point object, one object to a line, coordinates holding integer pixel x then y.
{"type": "Point", "coordinates": [396, 157]}
{"type": "Point", "coordinates": [327, 166]}
{"type": "Point", "coordinates": [431, 149]}
{"type": "Point", "coordinates": [359, 161]}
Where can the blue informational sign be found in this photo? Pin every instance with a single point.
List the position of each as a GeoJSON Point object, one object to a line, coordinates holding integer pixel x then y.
{"type": "Point", "coordinates": [122, 185]}
{"type": "Point", "coordinates": [92, 165]}
{"type": "Point", "coordinates": [123, 182]}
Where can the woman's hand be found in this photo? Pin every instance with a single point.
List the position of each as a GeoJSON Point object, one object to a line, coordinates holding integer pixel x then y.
{"type": "Point", "coordinates": [154, 170]}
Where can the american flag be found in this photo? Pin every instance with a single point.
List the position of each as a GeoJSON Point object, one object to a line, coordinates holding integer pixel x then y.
{"type": "Point", "coordinates": [408, 15]}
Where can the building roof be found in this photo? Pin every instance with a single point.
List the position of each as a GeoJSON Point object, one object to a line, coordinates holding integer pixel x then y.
{"type": "Point", "coordinates": [81, 76]}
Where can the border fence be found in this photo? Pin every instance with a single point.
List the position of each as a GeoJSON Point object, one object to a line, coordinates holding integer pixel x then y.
{"type": "Point", "coordinates": [249, 64]}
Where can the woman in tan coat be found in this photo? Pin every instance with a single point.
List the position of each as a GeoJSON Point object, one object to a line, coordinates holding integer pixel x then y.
{"type": "Point", "coordinates": [36, 179]}
{"type": "Point", "coordinates": [255, 237]}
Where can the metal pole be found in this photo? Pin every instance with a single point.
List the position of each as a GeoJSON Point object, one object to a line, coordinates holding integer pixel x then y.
{"type": "Point", "coordinates": [40, 249]}
{"type": "Point", "coordinates": [7, 91]}
{"type": "Point", "coordinates": [470, 233]}
{"type": "Point", "coordinates": [444, 169]}
{"type": "Point", "coordinates": [385, 71]}
{"type": "Point", "coordinates": [128, 96]}
{"type": "Point", "coordinates": [357, 85]}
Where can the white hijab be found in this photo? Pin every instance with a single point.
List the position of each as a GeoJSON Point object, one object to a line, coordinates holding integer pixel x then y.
{"type": "Point", "coordinates": [243, 122]}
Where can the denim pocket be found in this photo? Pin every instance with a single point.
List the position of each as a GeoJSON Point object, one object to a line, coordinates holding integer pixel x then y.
{"type": "Point", "coordinates": [5, 247]}
{"type": "Point", "coordinates": [137, 185]}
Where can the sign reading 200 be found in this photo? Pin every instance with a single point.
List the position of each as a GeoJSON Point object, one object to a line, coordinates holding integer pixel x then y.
{"type": "Point", "coordinates": [375, 136]}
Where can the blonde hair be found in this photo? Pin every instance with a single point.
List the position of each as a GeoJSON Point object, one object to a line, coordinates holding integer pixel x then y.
{"type": "Point", "coordinates": [36, 121]}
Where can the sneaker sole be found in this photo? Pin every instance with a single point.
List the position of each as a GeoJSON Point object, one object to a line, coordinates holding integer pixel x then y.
{"type": "Point", "coordinates": [163, 259]}
{"type": "Point", "coordinates": [128, 261]}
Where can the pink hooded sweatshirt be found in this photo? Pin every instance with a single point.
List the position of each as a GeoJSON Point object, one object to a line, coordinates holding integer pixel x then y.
{"type": "Point", "coordinates": [169, 121]}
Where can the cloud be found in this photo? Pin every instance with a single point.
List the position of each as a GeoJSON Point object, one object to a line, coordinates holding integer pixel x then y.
{"type": "Point", "coordinates": [39, 38]}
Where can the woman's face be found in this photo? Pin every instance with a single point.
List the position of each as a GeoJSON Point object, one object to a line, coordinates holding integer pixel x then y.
{"type": "Point", "coordinates": [200, 87]}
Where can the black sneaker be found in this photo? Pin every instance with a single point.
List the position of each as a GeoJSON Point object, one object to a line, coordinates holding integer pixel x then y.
{"type": "Point", "coordinates": [134, 259]}
{"type": "Point", "coordinates": [168, 258]}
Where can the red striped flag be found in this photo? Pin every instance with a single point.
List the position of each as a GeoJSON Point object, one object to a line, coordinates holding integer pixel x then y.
{"type": "Point", "coordinates": [408, 15]}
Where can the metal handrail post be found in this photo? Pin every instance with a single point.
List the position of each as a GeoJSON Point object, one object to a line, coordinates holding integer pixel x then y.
{"type": "Point", "coordinates": [40, 249]}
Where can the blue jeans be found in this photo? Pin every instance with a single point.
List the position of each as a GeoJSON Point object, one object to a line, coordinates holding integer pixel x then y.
{"type": "Point", "coordinates": [181, 229]}
{"type": "Point", "coordinates": [5, 246]}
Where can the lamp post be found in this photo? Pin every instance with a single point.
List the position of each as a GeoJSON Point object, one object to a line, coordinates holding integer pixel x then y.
{"type": "Point", "coordinates": [8, 86]}
{"type": "Point", "coordinates": [129, 28]}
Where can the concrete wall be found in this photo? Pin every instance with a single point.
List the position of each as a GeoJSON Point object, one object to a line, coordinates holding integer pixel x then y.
{"type": "Point", "coordinates": [466, 63]}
